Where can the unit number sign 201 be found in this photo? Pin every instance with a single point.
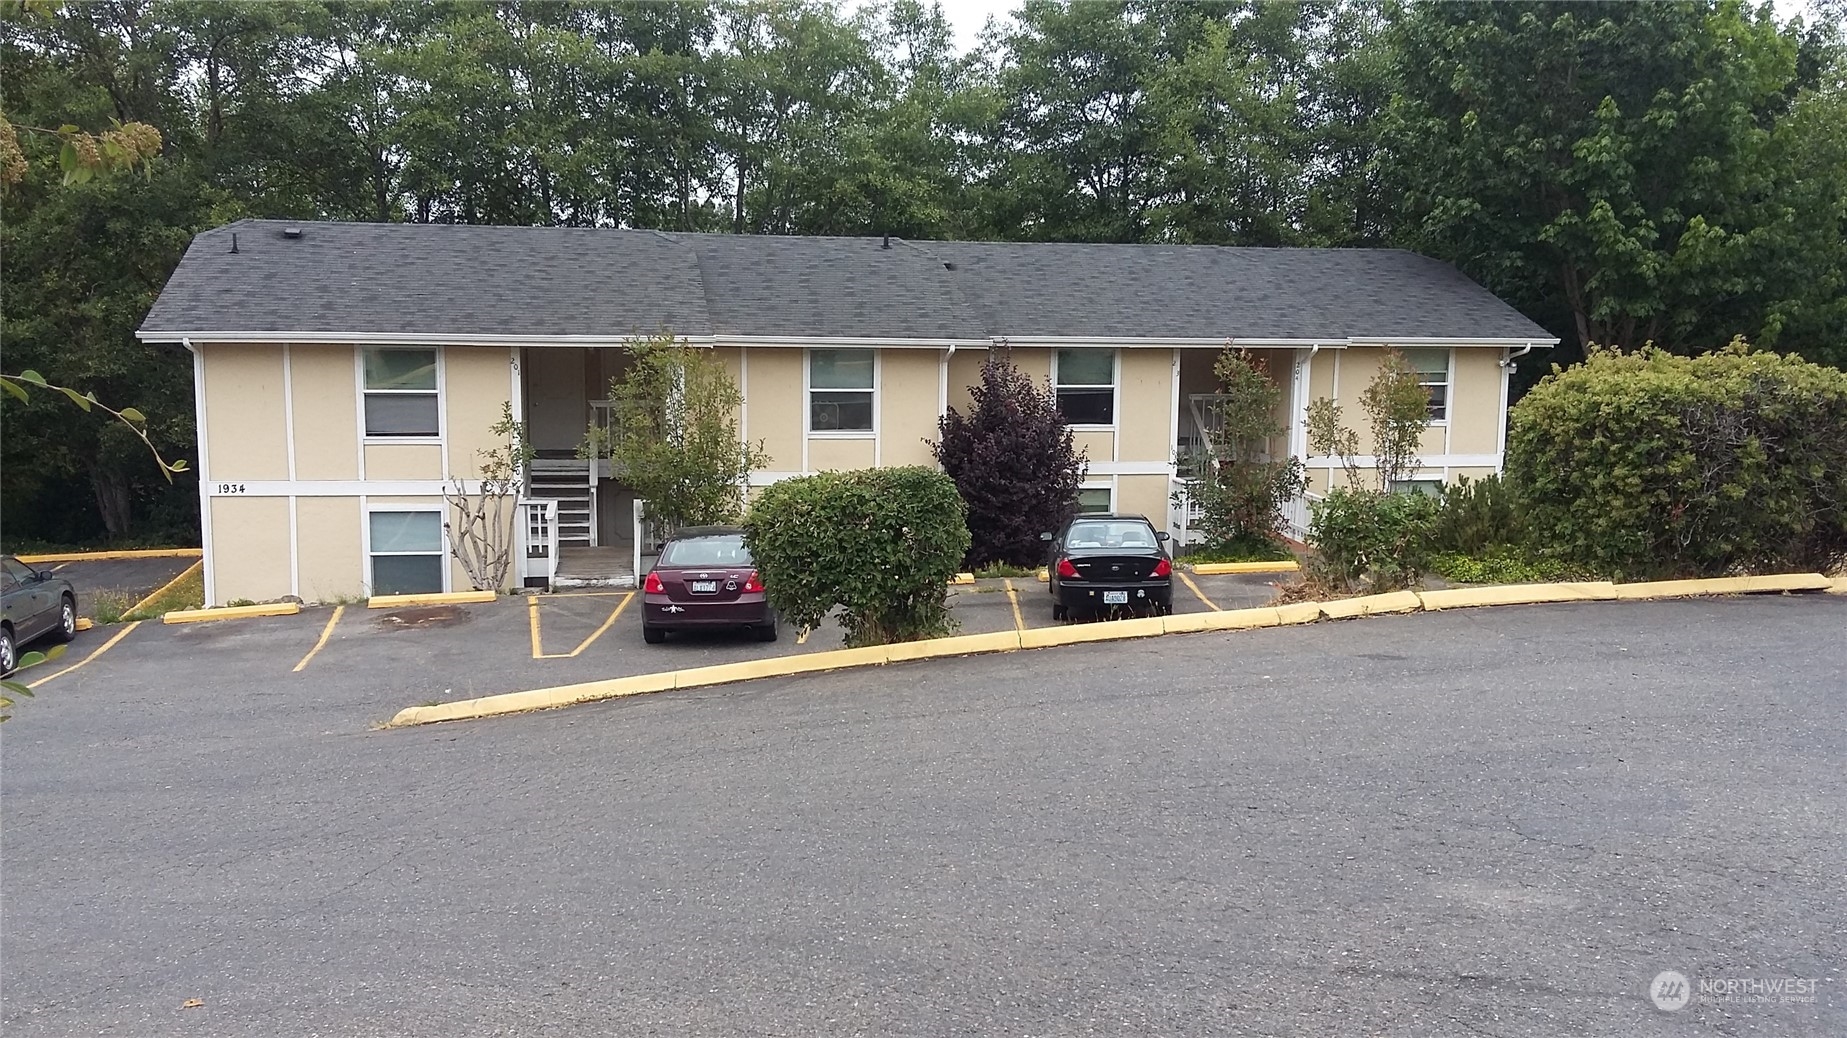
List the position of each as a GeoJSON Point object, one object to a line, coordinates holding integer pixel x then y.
{"type": "Point", "coordinates": [227, 488]}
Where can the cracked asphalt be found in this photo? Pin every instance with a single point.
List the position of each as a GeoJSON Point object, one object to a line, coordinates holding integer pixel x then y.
{"type": "Point", "coordinates": [1482, 822]}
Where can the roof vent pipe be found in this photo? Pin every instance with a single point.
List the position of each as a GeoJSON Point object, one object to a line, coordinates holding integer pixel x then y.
{"type": "Point", "coordinates": [887, 244]}
{"type": "Point", "coordinates": [233, 243]}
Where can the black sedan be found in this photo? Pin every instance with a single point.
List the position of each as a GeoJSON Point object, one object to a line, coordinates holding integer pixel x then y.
{"type": "Point", "coordinates": [37, 604]}
{"type": "Point", "coordinates": [1106, 563]}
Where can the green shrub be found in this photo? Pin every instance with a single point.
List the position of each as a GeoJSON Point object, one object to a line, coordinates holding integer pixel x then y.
{"type": "Point", "coordinates": [1243, 549]}
{"type": "Point", "coordinates": [880, 544]}
{"type": "Point", "coordinates": [1497, 566]}
{"type": "Point", "coordinates": [1648, 464]}
{"type": "Point", "coordinates": [1371, 538]}
{"type": "Point", "coordinates": [1477, 515]}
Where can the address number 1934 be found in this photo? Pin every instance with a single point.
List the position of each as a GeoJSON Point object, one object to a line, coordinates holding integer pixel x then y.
{"type": "Point", "coordinates": [227, 488]}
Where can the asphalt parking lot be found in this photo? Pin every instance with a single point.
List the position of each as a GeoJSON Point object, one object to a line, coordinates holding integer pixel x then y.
{"type": "Point", "coordinates": [430, 654]}
{"type": "Point", "coordinates": [129, 579]}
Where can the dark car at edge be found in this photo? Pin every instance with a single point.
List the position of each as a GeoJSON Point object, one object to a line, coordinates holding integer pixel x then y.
{"type": "Point", "coordinates": [705, 579]}
{"type": "Point", "coordinates": [37, 604]}
{"type": "Point", "coordinates": [1102, 564]}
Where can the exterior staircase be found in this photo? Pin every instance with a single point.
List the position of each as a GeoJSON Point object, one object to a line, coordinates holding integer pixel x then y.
{"type": "Point", "coordinates": [567, 481]}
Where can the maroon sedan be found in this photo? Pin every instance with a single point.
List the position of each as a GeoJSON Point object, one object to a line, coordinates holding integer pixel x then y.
{"type": "Point", "coordinates": [705, 578]}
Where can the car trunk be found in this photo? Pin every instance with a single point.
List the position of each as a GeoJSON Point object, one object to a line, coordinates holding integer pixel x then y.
{"type": "Point", "coordinates": [713, 584]}
{"type": "Point", "coordinates": [1105, 567]}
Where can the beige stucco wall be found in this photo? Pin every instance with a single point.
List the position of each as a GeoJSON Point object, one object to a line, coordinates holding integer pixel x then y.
{"type": "Point", "coordinates": [1145, 403]}
{"type": "Point", "coordinates": [250, 542]}
{"type": "Point", "coordinates": [1144, 495]}
{"type": "Point", "coordinates": [1097, 444]}
{"type": "Point", "coordinates": [403, 460]}
{"type": "Point", "coordinates": [330, 557]}
{"type": "Point", "coordinates": [773, 395]}
{"type": "Point", "coordinates": [965, 371]}
{"type": "Point", "coordinates": [244, 412]}
{"type": "Point", "coordinates": [826, 453]}
{"type": "Point", "coordinates": [911, 380]}
{"type": "Point", "coordinates": [324, 382]}
{"type": "Point", "coordinates": [477, 382]}
{"type": "Point", "coordinates": [1475, 402]}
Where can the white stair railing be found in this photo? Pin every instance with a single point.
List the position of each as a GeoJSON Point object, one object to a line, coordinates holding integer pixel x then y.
{"type": "Point", "coordinates": [538, 525]}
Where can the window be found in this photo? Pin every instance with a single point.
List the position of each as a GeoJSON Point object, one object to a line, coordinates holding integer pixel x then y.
{"type": "Point", "coordinates": [1427, 487]}
{"type": "Point", "coordinates": [724, 550]}
{"type": "Point", "coordinates": [1123, 534]}
{"type": "Point", "coordinates": [407, 552]}
{"type": "Point", "coordinates": [1086, 386]}
{"type": "Point", "coordinates": [1092, 500]}
{"type": "Point", "coordinates": [401, 392]}
{"type": "Point", "coordinates": [1432, 367]}
{"type": "Point", "coordinates": [840, 390]}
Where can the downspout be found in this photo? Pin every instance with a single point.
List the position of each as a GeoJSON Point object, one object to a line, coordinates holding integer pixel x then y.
{"type": "Point", "coordinates": [1507, 362]}
{"type": "Point", "coordinates": [208, 570]}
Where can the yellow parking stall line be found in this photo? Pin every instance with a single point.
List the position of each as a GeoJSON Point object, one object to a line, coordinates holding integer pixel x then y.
{"type": "Point", "coordinates": [106, 646]}
{"type": "Point", "coordinates": [532, 619]}
{"type": "Point", "coordinates": [607, 624]}
{"type": "Point", "coordinates": [326, 632]}
{"type": "Point", "coordinates": [1202, 595]}
{"type": "Point", "coordinates": [1013, 598]}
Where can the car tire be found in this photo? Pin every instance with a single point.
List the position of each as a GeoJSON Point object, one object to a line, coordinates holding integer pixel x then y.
{"type": "Point", "coordinates": [765, 632]}
{"type": "Point", "coordinates": [653, 635]}
{"type": "Point", "coordinates": [67, 620]}
{"type": "Point", "coordinates": [1059, 612]}
{"type": "Point", "coordinates": [9, 652]}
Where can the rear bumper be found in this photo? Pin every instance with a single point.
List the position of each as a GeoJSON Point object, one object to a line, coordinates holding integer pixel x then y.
{"type": "Point", "coordinates": [1089, 594]}
{"type": "Point", "coordinates": [663, 612]}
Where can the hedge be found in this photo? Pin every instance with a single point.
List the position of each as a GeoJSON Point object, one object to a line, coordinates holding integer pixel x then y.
{"type": "Point", "coordinates": [1649, 464]}
{"type": "Point", "coordinates": [879, 544]}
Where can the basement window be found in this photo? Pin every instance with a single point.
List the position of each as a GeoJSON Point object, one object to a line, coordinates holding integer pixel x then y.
{"type": "Point", "coordinates": [400, 393]}
{"type": "Point", "coordinates": [407, 552]}
{"type": "Point", "coordinates": [1085, 381]}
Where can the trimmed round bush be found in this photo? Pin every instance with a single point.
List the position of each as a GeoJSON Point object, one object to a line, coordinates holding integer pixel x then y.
{"type": "Point", "coordinates": [879, 544]}
{"type": "Point", "coordinates": [1649, 464]}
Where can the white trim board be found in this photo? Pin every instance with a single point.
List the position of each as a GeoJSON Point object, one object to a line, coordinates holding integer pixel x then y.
{"type": "Point", "coordinates": [332, 487]}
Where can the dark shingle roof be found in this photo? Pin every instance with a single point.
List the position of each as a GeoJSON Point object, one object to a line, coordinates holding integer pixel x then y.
{"type": "Point", "coordinates": [462, 280]}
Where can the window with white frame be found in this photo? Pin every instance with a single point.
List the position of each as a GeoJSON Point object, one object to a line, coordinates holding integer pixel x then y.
{"type": "Point", "coordinates": [840, 390]}
{"type": "Point", "coordinates": [407, 552]}
{"type": "Point", "coordinates": [1427, 487]}
{"type": "Point", "coordinates": [1095, 501]}
{"type": "Point", "coordinates": [1085, 381]}
{"type": "Point", "coordinates": [1432, 368]}
{"type": "Point", "coordinates": [400, 392]}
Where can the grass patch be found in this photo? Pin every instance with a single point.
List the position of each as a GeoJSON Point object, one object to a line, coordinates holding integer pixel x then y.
{"type": "Point", "coordinates": [187, 594]}
{"type": "Point", "coordinates": [108, 607]}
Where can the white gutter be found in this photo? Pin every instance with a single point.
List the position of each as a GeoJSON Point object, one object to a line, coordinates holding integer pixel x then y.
{"type": "Point", "coordinates": [407, 338]}
{"type": "Point", "coordinates": [1507, 362]}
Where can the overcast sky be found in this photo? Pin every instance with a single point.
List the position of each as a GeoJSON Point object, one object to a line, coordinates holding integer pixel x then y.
{"type": "Point", "coordinates": [968, 16]}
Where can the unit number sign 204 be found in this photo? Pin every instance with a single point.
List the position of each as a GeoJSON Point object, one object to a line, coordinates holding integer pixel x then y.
{"type": "Point", "coordinates": [227, 488]}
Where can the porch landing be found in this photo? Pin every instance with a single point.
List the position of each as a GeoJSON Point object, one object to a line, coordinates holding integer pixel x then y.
{"type": "Point", "coordinates": [611, 565]}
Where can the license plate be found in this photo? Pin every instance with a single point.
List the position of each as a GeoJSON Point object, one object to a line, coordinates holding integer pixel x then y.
{"type": "Point", "coordinates": [705, 586]}
{"type": "Point", "coordinates": [1115, 598]}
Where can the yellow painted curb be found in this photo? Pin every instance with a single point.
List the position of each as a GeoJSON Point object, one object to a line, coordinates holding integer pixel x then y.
{"type": "Point", "coordinates": [534, 699]}
{"type": "Point", "coordinates": [1840, 586]}
{"type": "Point", "coordinates": [1208, 569]}
{"type": "Point", "coordinates": [1188, 623]}
{"type": "Point", "coordinates": [1245, 619]}
{"type": "Point", "coordinates": [192, 616]}
{"type": "Point", "coordinates": [780, 666]}
{"type": "Point", "coordinates": [1102, 631]}
{"type": "Point", "coordinates": [1725, 586]}
{"type": "Point", "coordinates": [168, 586]}
{"type": "Point", "coordinates": [1299, 613]}
{"type": "Point", "coordinates": [960, 645]}
{"type": "Point", "coordinates": [962, 578]}
{"type": "Point", "coordinates": [1518, 594]}
{"type": "Point", "coordinates": [441, 598]}
{"type": "Point", "coordinates": [84, 623]}
{"type": "Point", "coordinates": [1372, 605]}
{"type": "Point", "coordinates": [105, 556]}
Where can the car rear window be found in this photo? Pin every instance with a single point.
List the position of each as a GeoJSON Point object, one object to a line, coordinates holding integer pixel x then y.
{"type": "Point", "coordinates": [728, 550]}
{"type": "Point", "coordinates": [1104, 534]}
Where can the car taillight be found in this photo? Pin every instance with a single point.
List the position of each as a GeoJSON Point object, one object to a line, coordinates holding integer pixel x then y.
{"type": "Point", "coordinates": [653, 586]}
{"type": "Point", "coordinates": [753, 584]}
{"type": "Point", "coordinates": [1066, 570]}
{"type": "Point", "coordinates": [1162, 568]}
